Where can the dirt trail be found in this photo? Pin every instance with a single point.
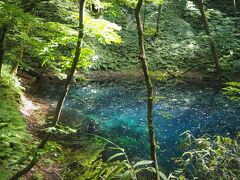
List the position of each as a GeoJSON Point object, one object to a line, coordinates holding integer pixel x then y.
{"type": "Point", "coordinates": [36, 111]}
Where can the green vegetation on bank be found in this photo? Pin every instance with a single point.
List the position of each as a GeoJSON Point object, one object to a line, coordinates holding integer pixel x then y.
{"type": "Point", "coordinates": [14, 136]}
{"type": "Point", "coordinates": [209, 157]}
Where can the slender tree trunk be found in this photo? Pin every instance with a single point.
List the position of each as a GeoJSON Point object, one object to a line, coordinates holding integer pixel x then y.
{"type": "Point", "coordinates": [142, 57]}
{"type": "Point", "coordinates": [212, 42]}
{"type": "Point", "coordinates": [234, 8]}
{"type": "Point", "coordinates": [158, 18]}
{"type": "Point", "coordinates": [235, 13]}
{"type": "Point", "coordinates": [3, 31]}
{"type": "Point", "coordinates": [63, 95]}
{"type": "Point", "coordinates": [144, 15]}
{"type": "Point", "coordinates": [30, 9]}
{"type": "Point", "coordinates": [15, 65]}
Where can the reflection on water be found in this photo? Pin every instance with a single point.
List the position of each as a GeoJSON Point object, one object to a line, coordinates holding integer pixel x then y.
{"type": "Point", "coordinates": [118, 111]}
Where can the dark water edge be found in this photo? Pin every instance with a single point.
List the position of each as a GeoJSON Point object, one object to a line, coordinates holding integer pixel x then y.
{"type": "Point", "coordinates": [116, 110]}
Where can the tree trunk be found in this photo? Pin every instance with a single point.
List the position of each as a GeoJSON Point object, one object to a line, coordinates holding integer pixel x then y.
{"type": "Point", "coordinates": [212, 42]}
{"type": "Point", "coordinates": [16, 63]}
{"type": "Point", "coordinates": [144, 15]}
{"type": "Point", "coordinates": [3, 31]}
{"type": "Point", "coordinates": [62, 97]}
{"type": "Point", "coordinates": [234, 8]}
{"type": "Point", "coordinates": [30, 9]}
{"type": "Point", "coordinates": [158, 18]}
{"type": "Point", "coordinates": [142, 57]}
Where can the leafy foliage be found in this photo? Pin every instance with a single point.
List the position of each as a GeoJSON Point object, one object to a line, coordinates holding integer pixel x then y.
{"type": "Point", "coordinates": [232, 90]}
{"type": "Point", "coordinates": [209, 157]}
{"type": "Point", "coordinates": [103, 30]}
{"type": "Point", "coordinates": [123, 169]}
{"type": "Point", "coordinates": [49, 35]}
{"type": "Point", "coordinates": [14, 137]}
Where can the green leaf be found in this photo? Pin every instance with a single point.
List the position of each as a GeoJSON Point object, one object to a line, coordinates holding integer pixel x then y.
{"type": "Point", "coordinates": [162, 175]}
{"type": "Point", "coordinates": [181, 178]}
{"type": "Point", "coordinates": [142, 163]}
{"type": "Point", "coordinates": [117, 148]}
{"type": "Point", "coordinates": [115, 171]}
{"type": "Point", "coordinates": [219, 139]}
{"type": "Point", "coordinates": [115, 156]}
{"type": "Point", "coordinates": [127, 175]}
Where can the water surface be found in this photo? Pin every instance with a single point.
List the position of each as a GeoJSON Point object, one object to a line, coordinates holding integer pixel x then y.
{"type": "Point", "coordinates": [117, 110]}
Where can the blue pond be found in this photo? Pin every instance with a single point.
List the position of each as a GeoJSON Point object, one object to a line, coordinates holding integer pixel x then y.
{"type": "Point", "coordinates": [119, 110]}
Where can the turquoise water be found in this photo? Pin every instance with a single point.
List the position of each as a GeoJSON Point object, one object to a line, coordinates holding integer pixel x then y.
{"type": "Point", "coordinates": [117, 111]}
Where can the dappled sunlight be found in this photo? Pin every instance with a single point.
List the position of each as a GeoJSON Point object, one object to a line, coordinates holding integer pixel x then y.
{"type": "Point", "coordinates": [119, 112]}
{"type": "Point", "coordinates": [28, 107]}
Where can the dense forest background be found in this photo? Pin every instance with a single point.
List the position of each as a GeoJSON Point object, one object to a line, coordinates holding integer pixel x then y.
{"type": "Point", "coordinates": [42, 34]}
{"type": "Point", "coordinates": [194, 40]}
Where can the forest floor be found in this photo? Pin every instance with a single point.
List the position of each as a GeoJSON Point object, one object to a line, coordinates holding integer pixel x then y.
{"type": "Point", "coordinates": [35, 111]}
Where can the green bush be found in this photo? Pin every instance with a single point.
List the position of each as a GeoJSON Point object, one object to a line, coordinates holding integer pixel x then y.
{"type": "Point", "coordinates": [209, 157]}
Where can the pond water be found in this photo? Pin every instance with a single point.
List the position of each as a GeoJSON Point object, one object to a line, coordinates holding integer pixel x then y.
{"type": "Point", "coordinates": [118, 112]}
